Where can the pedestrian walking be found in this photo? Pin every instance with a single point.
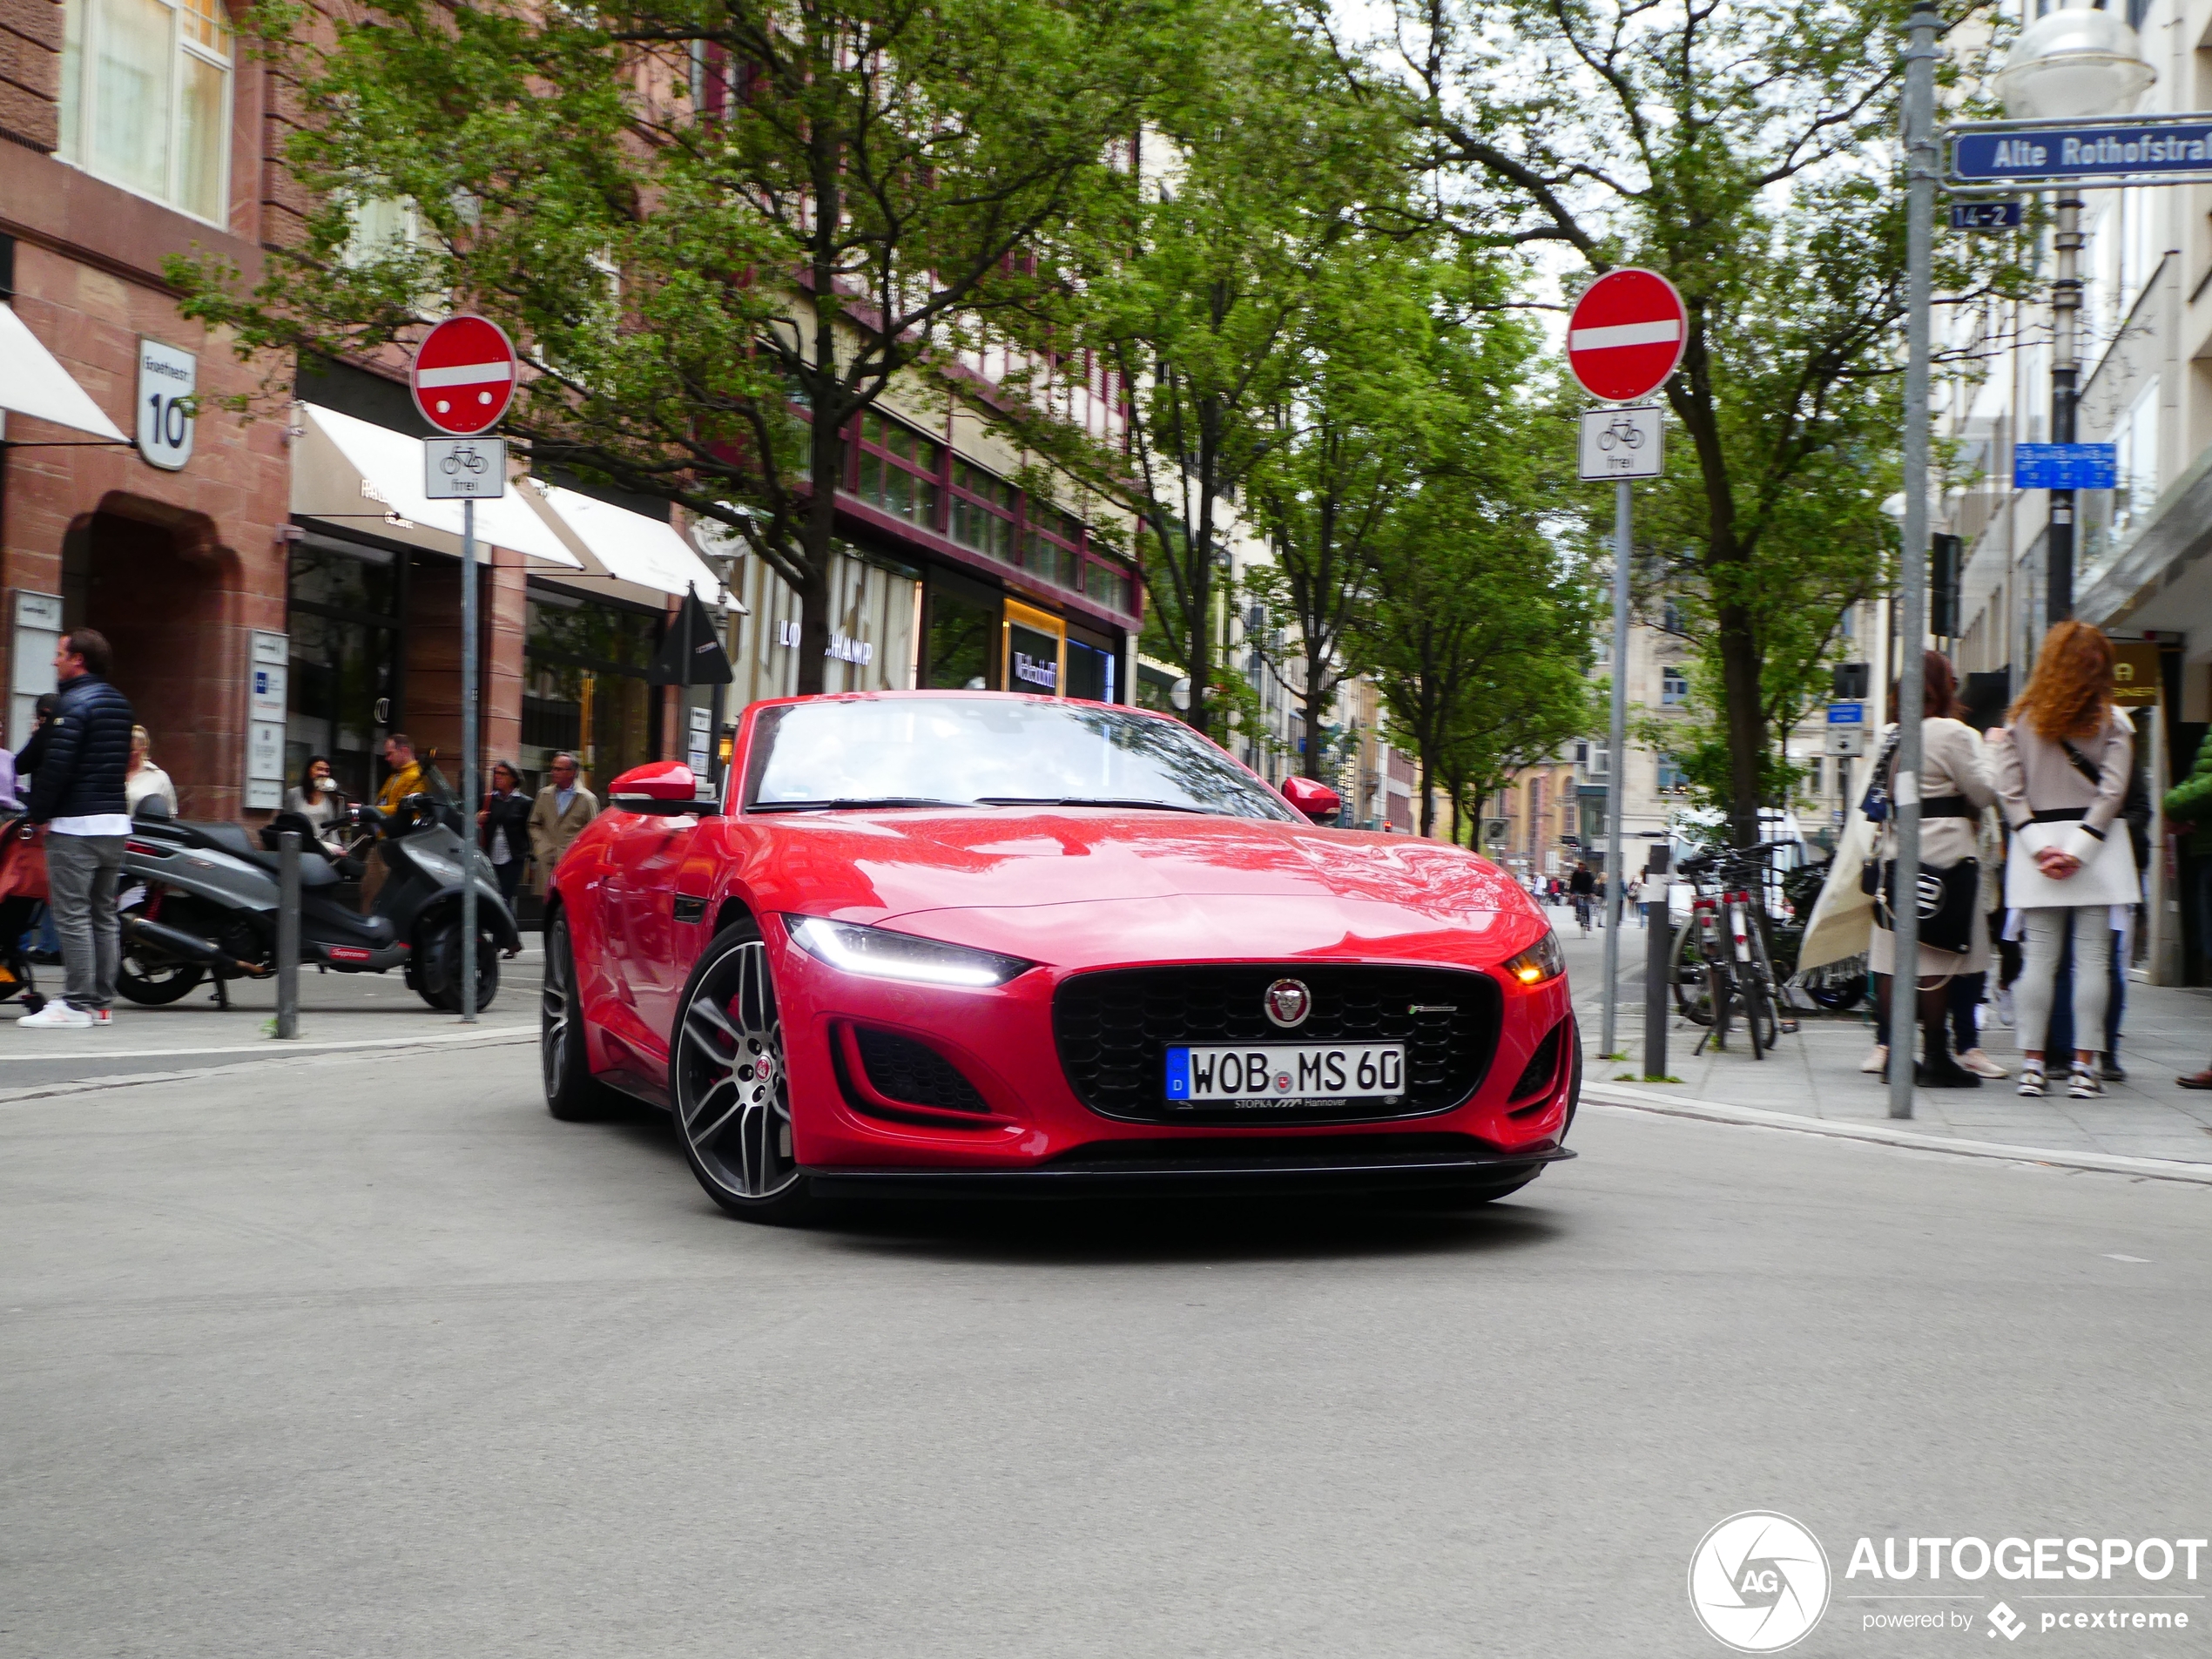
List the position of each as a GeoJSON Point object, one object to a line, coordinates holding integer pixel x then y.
{"type": "Point", "coordinates": [143, 780]}
{"type": "Point", "coordinates": [563, 807]}
{"type": "Point", "coordinates": [1956, 784]}
{"type": "Point", "coordinates": [317, 798]}
{"type": "Point", "coordinates": [504, 828]}
{"type": "Point", "coordinates": [2063, 763]}
{"type": "Point", "coordinates": [78, 793]}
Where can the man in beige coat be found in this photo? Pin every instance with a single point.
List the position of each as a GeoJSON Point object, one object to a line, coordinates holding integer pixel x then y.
{"type": "Point", "coordinates": [562, 808]}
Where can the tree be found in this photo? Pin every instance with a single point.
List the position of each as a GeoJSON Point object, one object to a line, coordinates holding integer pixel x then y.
{"type": "Point", "coordinates": [717, 230]}
{"type": "Point", "coordinates": [1742, 151]}
{"type": "Point", "coordinates": [1258, 170]}
{"type": "Point", "coordinates": [1346, 445]}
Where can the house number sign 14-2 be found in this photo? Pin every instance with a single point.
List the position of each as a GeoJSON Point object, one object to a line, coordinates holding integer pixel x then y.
{"type": "Point", "coordinates": [167, 379]}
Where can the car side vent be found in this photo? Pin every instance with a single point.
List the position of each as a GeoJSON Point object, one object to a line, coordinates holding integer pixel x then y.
{"type": "Point", "coordinates": [914, 1074]}
{"type": "Point", "coordinates": [1542, 1070]}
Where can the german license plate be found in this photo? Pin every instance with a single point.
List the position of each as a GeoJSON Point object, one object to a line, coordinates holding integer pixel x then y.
{"type": "Point", "coordinates": [1266, 1072]}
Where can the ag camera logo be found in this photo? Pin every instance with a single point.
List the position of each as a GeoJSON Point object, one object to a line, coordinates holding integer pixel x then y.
{"type": "Point", "coordinates": [1758, 1581]}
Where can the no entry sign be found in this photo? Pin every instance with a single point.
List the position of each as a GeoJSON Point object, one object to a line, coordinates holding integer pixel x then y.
{"type": "Point", "coordinates": [464, 375]}
{"type": "Point", "coordinates": [1626, 335]}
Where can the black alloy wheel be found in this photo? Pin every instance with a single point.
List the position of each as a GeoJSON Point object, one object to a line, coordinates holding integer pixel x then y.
{"type": "Point", "coordinates": [730, 1086]}
{"type": "Point", "coordinates": [572, 1093]}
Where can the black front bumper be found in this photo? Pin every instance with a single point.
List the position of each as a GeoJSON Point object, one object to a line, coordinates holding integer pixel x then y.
{"type": "Point", "coordinates": [1166, 1169]}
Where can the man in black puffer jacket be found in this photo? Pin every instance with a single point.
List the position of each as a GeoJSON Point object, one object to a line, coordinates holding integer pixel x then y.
{"type": "Point", "coordinates": [77, 792]}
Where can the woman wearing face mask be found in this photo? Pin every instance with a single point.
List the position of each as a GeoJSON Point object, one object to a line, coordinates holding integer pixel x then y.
{"type": "Point", "coordinates": [317, 800]}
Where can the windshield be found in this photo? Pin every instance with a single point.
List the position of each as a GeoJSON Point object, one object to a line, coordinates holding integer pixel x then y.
{"type": "Point", "coordinates": [988, 751]}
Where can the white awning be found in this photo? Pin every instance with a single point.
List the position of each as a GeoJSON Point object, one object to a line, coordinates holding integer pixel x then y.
{"type": "Point", "coordinates": [33, 382]}
{"type": "Point", "coordinates": [630, 547]}
{"type": "Point", "coordinates": [345, 469]}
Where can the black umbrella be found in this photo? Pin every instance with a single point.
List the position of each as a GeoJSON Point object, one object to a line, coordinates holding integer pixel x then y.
{"type": "Point", "coordinates": [691, 653]}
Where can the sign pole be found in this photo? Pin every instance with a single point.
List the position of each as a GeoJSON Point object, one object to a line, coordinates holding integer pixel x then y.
{"type": "Point", "coordinates": [1904, 795]}
{"type": "Point", "coordinates": [1616, 762]}
{"type": "Point", "coordinates": [2066, 303]}
{"type": "Point", "coordinates": [470, 790]}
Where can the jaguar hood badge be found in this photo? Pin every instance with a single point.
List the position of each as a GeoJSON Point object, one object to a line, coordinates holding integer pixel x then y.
{"type": "Point", "coordinates": [1287, 1002]}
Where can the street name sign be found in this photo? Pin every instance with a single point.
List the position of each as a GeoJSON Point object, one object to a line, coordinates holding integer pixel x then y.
{"type": "Point", "coordinates": [464, 469]}
{"type": "Point", "coordinates": [2064, 466]}
{"type": "Point", "coordinates": [1626, 335]}
{"type": "Point", "coordinates": [464, 377]}
{"type": "Point", "coordinates": [1847, 714]}
{"type": "Point", "coordinates": [1621, 443]}
{"type": "Point", "coordinates": [1984, 216]}
{"type": "Point", "coordinates": [2144, 150]}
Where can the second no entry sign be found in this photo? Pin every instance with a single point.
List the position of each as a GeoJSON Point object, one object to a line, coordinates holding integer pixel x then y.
{"type": "Point", "coordinates": [464, 375]}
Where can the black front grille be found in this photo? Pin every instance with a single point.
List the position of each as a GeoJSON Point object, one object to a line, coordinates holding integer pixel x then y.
{"type": "Point", "coordinates": [902, 1070]}
{"type": "Point", "coordinates": [1114, 1030]}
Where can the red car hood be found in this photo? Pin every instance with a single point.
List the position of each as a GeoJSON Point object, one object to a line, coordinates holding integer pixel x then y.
{"type": "Point", "coordinates": [1092, 885]}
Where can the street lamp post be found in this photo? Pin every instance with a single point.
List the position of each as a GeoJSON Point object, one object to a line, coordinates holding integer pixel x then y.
{"type": "Point", "coordinates": [2066, 302]}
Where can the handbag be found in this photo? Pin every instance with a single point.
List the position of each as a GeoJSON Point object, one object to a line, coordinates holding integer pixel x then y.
{"type": "Point", "coordinates": [1948, 897]}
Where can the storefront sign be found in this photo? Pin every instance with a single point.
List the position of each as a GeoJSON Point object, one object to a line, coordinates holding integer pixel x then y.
{"type": "Point", "coordinates": [167, 412]}
{"type": "Point", "coordinates": [2135, 673]}
{"type": "Point", "coordinates": [266, 699]}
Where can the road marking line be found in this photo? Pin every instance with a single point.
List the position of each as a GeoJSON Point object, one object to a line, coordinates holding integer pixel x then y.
{"type": "Point", "coordinates": [2114, 1256]}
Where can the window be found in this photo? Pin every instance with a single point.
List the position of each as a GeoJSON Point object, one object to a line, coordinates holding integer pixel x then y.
{"type": "Point", "coordinates": [1671, 779]}
{"type": "Point", "coordinates": [1674, 686]}
{"type": "Point", "coordinates": [1670, 616]}
{"type": "Point", "coordinates": [146, 98]}
{"type": "Point", "coordinates": [1052, 547]}
{"type": "Point", "coordinates": [982, 515]}
{"type": "Point", "coordinates": [1111, 586]}
{"type": "Point", "coordinates": [899, 470]}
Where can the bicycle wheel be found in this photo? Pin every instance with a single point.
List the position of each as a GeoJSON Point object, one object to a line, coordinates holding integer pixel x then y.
{"type": "Point", "coordinates": [1691, 979]}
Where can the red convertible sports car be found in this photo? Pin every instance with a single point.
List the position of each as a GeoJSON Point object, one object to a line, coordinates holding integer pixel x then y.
{"type": "Point", "coordinates": [952, 943]}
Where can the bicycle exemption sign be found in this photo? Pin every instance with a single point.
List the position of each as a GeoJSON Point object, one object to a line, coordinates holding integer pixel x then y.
{"type": "Point", "coordinates": [1621, 443]}
{"type": "Point", "coordinates": [464, 469]}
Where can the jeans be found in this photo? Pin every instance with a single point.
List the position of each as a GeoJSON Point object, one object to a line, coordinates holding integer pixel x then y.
{"type": "Point", "coordinates": [2045, 931]}
{"type": "Point", "coordinates": [81, 872]}
{"type": "Point", "coordinates": [1963, 998]}
{"type": "Point", "coordinates": [510, 878]}
{"type": "Point", "coordinates": [2062, 1039]}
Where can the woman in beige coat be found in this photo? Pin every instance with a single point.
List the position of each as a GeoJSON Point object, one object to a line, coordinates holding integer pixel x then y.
{"type": "Point", "coordinates": [2062, 769]}
{"type": "Point", "coordinates": [1955, 785]}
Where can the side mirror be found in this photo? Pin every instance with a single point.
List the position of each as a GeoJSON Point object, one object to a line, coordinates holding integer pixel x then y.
{"type": "Point", "coordinates": [665, 789]}
{"type": "Point", "coordinates": [1317, 800]}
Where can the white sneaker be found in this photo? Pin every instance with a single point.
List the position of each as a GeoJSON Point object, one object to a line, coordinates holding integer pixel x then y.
{"type": "Point", "coordinates": [2032, 1079]}
{"type": "Point", "coordinates": [54, 1014]}
{"type": "Point", "coordinates": [1879, 1058]}
{"type": "Point", "coordinates": [1981, 1065]}
{"type": "Point", "coordinates": [2083, 1083]}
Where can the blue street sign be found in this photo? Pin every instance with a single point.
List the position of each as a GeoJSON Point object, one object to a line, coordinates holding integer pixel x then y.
{"type": "Point", "coordinates": [1984, 216]}
{"type": "Point", "coordinates": [1847, 714]}
{"type": "Point", "coordinates": [2064, 466]}
{"type": "Point", "coordinates": [2144, 151]}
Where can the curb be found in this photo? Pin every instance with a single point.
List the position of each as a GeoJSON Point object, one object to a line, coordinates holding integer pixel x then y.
{"type": "Point", "coordinates": [263, 1046]}
{"type": "Point", "coordinates": [1713, 1112]}
{"type": "Point", "coordinates": [321, 1052]}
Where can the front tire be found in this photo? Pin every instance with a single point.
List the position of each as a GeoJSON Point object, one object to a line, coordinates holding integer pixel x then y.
{"type": "Point", "coordinates": [572, 1093]}
{"type": "Point", "coordinates": [155, 984]}
{"type": "Point", "coordinates": [730, 1086]}
{"type": "Point", "coordinates": [439, 971]}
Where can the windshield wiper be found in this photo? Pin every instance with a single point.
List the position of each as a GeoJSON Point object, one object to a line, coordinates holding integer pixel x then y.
{"type": "Point", "coordinates": [1093, 801]}
{"type": "Point", "coordinates": [847, 804]}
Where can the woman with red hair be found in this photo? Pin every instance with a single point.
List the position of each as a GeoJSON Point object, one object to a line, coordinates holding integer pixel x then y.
{"type": "Point", "coordinates": [2062, 770]}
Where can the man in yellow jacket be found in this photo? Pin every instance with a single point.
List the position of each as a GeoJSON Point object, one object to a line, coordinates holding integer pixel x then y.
{"type": "Point", "coordinates": [403, 777]}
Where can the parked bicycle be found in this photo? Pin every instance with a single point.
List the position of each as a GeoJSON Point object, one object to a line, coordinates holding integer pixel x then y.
{"type": "Point", "coordinates": [1723, 972]}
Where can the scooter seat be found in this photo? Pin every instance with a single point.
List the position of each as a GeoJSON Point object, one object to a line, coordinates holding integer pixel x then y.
{"type": "Point", "coordinates": [231, 839]}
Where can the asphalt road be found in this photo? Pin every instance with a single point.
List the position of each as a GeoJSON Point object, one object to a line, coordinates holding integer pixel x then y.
{"type": "Point", "coordinates": [328, 1359]}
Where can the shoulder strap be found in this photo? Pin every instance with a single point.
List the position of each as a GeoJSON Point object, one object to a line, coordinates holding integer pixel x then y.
{"type": "Point", "coordinates": [2082, 763]}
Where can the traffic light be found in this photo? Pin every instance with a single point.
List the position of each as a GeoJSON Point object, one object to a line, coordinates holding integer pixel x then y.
{"type": "Point", "coordinates": [1943, 586]}
{"type": "Point", "coordinates": [1850, 682]}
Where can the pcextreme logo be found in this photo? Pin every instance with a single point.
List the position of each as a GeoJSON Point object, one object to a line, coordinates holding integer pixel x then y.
{"type": "Point", "coordinates": [1758, 1581]}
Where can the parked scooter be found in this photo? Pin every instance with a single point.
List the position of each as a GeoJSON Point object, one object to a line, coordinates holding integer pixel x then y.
{"type": "Point", "coordinates": [210, 905]}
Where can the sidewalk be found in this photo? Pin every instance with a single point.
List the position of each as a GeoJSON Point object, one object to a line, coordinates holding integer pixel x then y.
{"type": "Point", "coordinates": [1815, 1073]}
{"type": "Point", "coordinates": [368, 1011]}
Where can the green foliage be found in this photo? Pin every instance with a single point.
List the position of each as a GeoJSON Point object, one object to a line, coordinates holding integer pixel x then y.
{"type": "Point", "coordinates": [702, 221]}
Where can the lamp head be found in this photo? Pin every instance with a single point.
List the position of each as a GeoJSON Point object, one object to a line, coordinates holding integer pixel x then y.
{"type": "Point", "coordinates": [2078, 63]}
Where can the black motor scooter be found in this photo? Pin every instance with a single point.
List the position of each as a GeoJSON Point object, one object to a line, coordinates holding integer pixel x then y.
{"type": "Point", "coordinates": [209, 905]}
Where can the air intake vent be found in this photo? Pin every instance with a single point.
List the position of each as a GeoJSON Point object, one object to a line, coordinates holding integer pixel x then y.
{"type": "Point", "coordinates": [1542, 1070]}
{"type": "Point", "coordinates": [914, 1074]}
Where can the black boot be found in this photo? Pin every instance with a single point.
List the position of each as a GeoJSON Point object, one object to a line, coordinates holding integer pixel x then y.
{"type": "Point", "coordinates": [1939, 1070]}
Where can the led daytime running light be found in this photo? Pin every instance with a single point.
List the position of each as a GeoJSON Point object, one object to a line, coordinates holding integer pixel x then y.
{"type": "Point", "coordinates": [1542, 960]}
{"type": "Point", "coordinates": [879, 953]}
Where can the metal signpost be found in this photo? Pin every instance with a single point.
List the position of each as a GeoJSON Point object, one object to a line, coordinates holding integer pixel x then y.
{"type": "Point", "coordinates": [1624, 339]}
{"type": "Point", "coordinates": [463, 379]}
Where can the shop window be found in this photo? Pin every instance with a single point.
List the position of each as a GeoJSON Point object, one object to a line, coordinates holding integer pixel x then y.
{"type": "Point", "coordinates": [962, 645]}
{"type": "Point", "coordinates": [146, 98]}
{"type": "Point", "coordinates": [899, 470]}
{"type": "Point", "coordinates": [342, 691]}
{"type": "Point", "coordinates": [1090, 672]}
{"type": "Point", "coordinates": [983, 511]}
{"type": "Point", "coordinates": [585, 687]}
{"type": "Point", "coordinates": [1111, 585]}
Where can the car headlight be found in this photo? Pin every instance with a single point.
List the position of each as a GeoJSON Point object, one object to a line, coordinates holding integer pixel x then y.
{"type": "Point", "coordinates": [1542, 961]}
{"type": "Point", "coordinates": [878, 953]}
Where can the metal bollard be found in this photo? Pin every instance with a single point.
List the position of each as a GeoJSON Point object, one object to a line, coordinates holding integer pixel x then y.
{"type": "Point", "coordinates": [1658, 963]}
{"type": "Point", "coordinates": [287, 949]}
